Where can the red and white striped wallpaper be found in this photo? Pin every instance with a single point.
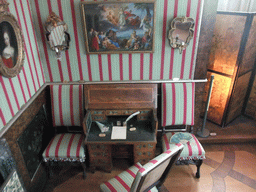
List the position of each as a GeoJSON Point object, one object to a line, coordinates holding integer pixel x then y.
{"type": "Point", "coordinates": [75, 65]}
{"type": "Point", "coordinates": [14, 92]}
{"type": "Point", "coordinates": [42, 66]}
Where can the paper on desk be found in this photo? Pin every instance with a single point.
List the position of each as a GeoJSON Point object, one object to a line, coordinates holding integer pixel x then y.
{"type": "Point", "coordinates": [118, 132]}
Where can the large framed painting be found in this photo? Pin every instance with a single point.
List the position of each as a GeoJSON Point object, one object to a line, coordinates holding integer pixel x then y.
{"type": "Point", "coordinates": [119, 27]}
{"type": "Point", "coordinates": [11, 45]}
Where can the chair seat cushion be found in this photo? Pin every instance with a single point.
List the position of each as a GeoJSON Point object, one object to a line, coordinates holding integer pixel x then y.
{"type": "Point", "coordinates": [193, 149]}
{"type": "Point", "coordinates": [65, 147]}
{"type": "Point", "coordinates": [123, 181]}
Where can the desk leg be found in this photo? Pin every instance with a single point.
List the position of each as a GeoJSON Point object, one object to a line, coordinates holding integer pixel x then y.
{"type": "Point", "coordinates": [100, 157]}
{"type": "Point", "coordinates": [144, 152]}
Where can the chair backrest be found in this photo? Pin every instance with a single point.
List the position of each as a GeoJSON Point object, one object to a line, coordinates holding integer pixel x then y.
{"type": "Point", "coordinates": [155, 171]}
{"type": "Point", "coordinates": [178, 103]}
{"type": "Point", "coordinates": [67, 105]}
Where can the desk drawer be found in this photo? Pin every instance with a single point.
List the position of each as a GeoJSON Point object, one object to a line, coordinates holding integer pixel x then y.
{"type": "Point", "coordinates": [113, 112]}
{"type": "Point", "coordinates": [97, 112]}
{"type": "Point", "coordinates": [98, 117]}
{"type": "Point", "coordinates": [128, 112]}
{"type": "Point", "coordinates": [144, 152]}
{"type": "Point", "coordinates": [100, 157]}
{"type": "Point", "coordinates": [122, 151]}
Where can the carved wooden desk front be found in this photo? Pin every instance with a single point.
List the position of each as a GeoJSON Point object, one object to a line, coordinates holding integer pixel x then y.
{"type": "Point", "coordinates": [109, 103]}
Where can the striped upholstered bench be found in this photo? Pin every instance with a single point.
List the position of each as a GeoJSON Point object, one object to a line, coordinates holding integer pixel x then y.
{"type": "Point", "coordinates": [144, 178]}
{"type": "Point", "coordinates": [178, 110]}
{"type": "Point", "coordinates": [67, 111]}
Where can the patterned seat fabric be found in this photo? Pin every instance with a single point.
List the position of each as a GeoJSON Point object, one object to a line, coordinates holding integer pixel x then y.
{"type": "Point", "coordinates": [193, 149]}
{"type": "Point", "coordinates": [65, 147]}
{"type": "Point", "coordinates": [129, 180]}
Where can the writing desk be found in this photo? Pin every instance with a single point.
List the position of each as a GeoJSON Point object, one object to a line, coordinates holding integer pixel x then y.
{"type": "Point", "coordinates": [139, 144]}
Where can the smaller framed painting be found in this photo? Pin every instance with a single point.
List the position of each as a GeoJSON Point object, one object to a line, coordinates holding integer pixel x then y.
{"type": "Point", "coordinates": [11, 46]}
{"type": "Point", "coordinates": [119, 27]}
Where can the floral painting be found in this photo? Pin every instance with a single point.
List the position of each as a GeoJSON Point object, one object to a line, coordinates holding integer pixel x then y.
{"type": "Point", "coordinates": [119, 27]}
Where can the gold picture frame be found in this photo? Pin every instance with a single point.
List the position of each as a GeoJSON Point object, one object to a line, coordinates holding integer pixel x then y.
{"type": "Point", "coordinates": [119, 26]}
{"type": "Point", "coordinates": [12, 53]}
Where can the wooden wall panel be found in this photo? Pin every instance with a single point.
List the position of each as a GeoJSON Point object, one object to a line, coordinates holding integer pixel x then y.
{"type": "Point", "coordinates": [251, 105]}
{"type": "Point", "coordinates": [249, 56]}
{"type": "Point", "coordinates": [14, 133]}
{"type": "Point", "coordinates": [238, 96]}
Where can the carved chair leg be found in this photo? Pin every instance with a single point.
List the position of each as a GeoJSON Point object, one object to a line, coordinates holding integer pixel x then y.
{"type": "Point", "coordinates": [198, 165]}
{"type": "Point", "coordinates": [84, 169]}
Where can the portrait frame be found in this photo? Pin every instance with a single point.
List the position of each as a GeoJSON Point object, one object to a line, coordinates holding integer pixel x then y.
{"type": "Point", "coordinates": [114, 27]}
{"type": "Point", "coordinates": [11, 68]}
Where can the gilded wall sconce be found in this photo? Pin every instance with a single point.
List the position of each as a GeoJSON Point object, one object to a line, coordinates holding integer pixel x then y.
{"type": "Point", "coordinates": [181, 32]}
{"type": "Point", "coordinates": [56, 34]}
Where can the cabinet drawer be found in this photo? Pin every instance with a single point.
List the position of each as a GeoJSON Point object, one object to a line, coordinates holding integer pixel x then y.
{"type": "Point", "coordinates": [113, 112]}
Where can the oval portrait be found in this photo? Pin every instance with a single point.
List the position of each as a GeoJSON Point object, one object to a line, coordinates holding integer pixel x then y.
{"type": "Point", "coordinates": [11, 46]}
{"type": "Point", "coordinates": [8, 42]}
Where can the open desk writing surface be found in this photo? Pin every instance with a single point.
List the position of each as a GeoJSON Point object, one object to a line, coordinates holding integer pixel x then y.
{"type": "Point", "coordinates": [109, 103]}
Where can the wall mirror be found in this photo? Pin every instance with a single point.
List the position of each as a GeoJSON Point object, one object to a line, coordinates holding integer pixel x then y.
{"type": "Point", "coordinates": [56, 34]}
{"type": "Point", "coordinates": [181, 32]}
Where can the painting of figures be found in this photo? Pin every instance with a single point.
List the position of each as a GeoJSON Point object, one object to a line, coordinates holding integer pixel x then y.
{"type": "Point", "coordinates": [114, 27]}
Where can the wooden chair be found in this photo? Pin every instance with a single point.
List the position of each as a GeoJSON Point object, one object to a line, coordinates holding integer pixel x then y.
{"type": "Point", "coordinates": [149, 177]}
{"type": "Point", "coordinates": [67, 111]}
{"type": "Point", "coordinates": [178, 112]}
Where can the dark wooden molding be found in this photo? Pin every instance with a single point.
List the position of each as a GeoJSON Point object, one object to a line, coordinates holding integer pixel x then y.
{"type": "Point", "coordinates": [15, 130]}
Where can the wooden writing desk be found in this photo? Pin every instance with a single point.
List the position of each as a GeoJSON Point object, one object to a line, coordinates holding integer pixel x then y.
{"type": "Point", "coordinates": [112, 102]}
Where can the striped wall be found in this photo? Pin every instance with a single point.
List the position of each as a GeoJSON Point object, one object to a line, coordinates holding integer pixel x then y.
{"type": "Point", "coordinates": [75, 65]}
{"type": "Point", "coordinates": [41, 65]}
{"type": "Point", "coordinates": [14, 92]}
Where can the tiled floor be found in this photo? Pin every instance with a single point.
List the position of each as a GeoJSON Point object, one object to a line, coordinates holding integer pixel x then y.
{"type": "Point", "coordinates": [229, 166]}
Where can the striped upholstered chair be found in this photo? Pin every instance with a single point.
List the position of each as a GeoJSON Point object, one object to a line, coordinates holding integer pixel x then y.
{"type": "Point", "coordinates": [149, 177]}
{"type": "Point", "coordinates": [67, 112]}
{"type": "Point", "coordinates": [178, 115]}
